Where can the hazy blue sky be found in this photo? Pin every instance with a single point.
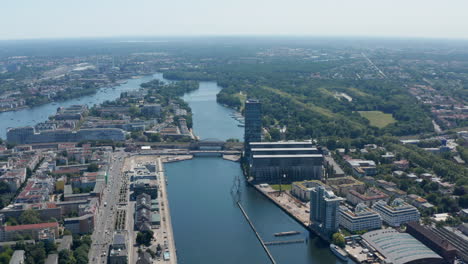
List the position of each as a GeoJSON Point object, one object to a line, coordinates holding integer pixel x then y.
{"type": "Point", "coordinates": [100, 18]}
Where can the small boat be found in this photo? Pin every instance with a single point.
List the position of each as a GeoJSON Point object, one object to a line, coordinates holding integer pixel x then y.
{"type": "Point", "coordinates": [289, 233]}
{"type": "Point", "coordinates": [339, 252]}
{"type": "Point", "coordinates": [241, 125]}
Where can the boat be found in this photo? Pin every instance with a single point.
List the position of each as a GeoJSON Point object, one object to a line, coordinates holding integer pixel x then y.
{"type": "Point", "coordinates": [241, 125]}
{"type": "Point", "coordinates": [339, 252]}
{"type": "Point", "coordinates": [289, 233]}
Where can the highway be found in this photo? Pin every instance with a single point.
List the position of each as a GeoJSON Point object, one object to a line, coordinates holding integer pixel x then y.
{"type": "Point", "coordinates": [105, 218]}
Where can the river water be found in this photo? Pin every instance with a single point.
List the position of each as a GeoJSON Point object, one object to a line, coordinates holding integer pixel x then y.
{"type": "Point", "coordinates": [208, 225]}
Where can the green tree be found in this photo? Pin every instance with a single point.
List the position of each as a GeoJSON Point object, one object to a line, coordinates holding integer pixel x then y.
{"type": "Point", "coordinates": [144, 238]}
{"type": "Point", "coordinates": [93, 167]}
{"type": "Point", "coordinates": [29, 216]}
{"type": "Point", "coordinates": [338, 239]}
{"type": "Point", "coordinates": [66, 257]}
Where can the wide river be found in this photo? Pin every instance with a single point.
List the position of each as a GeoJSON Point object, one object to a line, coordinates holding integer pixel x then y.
{"type": "Point", "coordinates": [208, 226]}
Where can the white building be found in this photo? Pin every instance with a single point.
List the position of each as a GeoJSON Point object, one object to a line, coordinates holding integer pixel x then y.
{"type": "Point", "coordinates": [397, 213]}
{"type": "Point", "coordinates": [363, 218]}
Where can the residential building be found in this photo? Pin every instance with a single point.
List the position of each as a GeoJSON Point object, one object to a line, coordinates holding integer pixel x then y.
{"type": "Point", "coordinates": [14, 178]}
{"type": "Point", "coordinates": [301, 190]}
{"type": "Point", "coordinates": [397, 213]}
{"type": "Point", "coordinates": [363, 218]}
{"type": "Point", "coordinates": [80, 225]}
{"type": "Point", "coordinates": [9, 233]}
{"type": "Point", "coordinates": [324, 211]}
{"type": "Point", "coordinates": [343, 185]}
{"type": "Point", "coordinates": [368, 197]}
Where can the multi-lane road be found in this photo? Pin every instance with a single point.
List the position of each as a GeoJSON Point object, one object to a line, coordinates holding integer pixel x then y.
{"type": "Point", "coordinates": [105, 217]}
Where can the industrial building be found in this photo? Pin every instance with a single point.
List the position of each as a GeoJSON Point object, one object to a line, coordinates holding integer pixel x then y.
{"type": "Point", "coordinates": [400, 248]}
{"type": "Point", "coordinates": [397, 213]}
{"type": "Point", "coordinates": [363, 218]}
{"type": "Point", "coordinates": [324, 211]}
{"type": "Point", "coordinates": [285, 162]}
{"type": "Point", "coordinates": [431, 240]}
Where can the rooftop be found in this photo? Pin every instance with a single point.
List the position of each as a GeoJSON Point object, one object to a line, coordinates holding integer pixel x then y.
{"type": "Point", "coordinates": [399, 248]}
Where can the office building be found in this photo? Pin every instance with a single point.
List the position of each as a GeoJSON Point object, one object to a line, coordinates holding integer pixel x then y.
{"type": "Point", "coordinates": [28, 135]}
{"type": "Point", "coordinates": [253, 123]}
{"type": "Point", "coordinates": [285, 162]}
{"type": "Point", "coordinates": [397, 213]}
{"type": "Point", "coordinates": [363, 218]}
{"type": "Point", "coordinates": [324, 211]}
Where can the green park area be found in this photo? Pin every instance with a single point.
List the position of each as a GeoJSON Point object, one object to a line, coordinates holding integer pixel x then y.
{"type": "Point", "coordinates": [377, 118]}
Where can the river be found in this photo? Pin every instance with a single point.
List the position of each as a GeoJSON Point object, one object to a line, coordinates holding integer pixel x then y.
{"type": "Point", "coordinates": [208, 225]}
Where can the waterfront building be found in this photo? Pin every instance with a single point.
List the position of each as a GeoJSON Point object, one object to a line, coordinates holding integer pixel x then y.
{"type": "Point", "coordinates": [285, 162]}
{"type": "Point", "coordinates": [400, 248]}
{"type": "Point", "coordinates": [253, 123]}
{"type": "Point", "coordinates": [28, 135]}
{"type": "Point", "coordinates": [324, 211]}
{"type": "Point", "coordinates": [363, 218]}
{"type": "Point", "coordinates": [397, 213]}
{"type": "Point", "coordinates": [145, 186]}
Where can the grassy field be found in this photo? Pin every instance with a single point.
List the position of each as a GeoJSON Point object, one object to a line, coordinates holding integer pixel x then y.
{"type": "Point", "coordinates": [377, 118]}
{"type": "Point", "coordinates": [284, 187]}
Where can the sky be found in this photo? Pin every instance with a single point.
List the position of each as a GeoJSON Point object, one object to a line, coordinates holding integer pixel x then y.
{"type": "Point", "coordinates": [33, 19]}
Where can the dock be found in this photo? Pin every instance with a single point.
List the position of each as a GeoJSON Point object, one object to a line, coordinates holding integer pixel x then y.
{"type": "Point", "coordinates": [295, 241]}
{"type": "Point", "coordinates": [256, 234]}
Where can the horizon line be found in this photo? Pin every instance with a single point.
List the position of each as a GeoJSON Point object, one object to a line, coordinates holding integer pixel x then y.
{"type": "Point", "coordinates": [260, 35]}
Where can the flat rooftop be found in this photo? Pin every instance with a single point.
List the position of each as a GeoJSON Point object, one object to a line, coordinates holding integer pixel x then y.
{"type": "Point", "coordinates": [288, 156]}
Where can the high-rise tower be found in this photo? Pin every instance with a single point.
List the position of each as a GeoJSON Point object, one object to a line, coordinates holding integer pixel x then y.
{"type": "Point", "coordinates": [253, 123]}
{"type": "Point", "coordinates": [324, 210]}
